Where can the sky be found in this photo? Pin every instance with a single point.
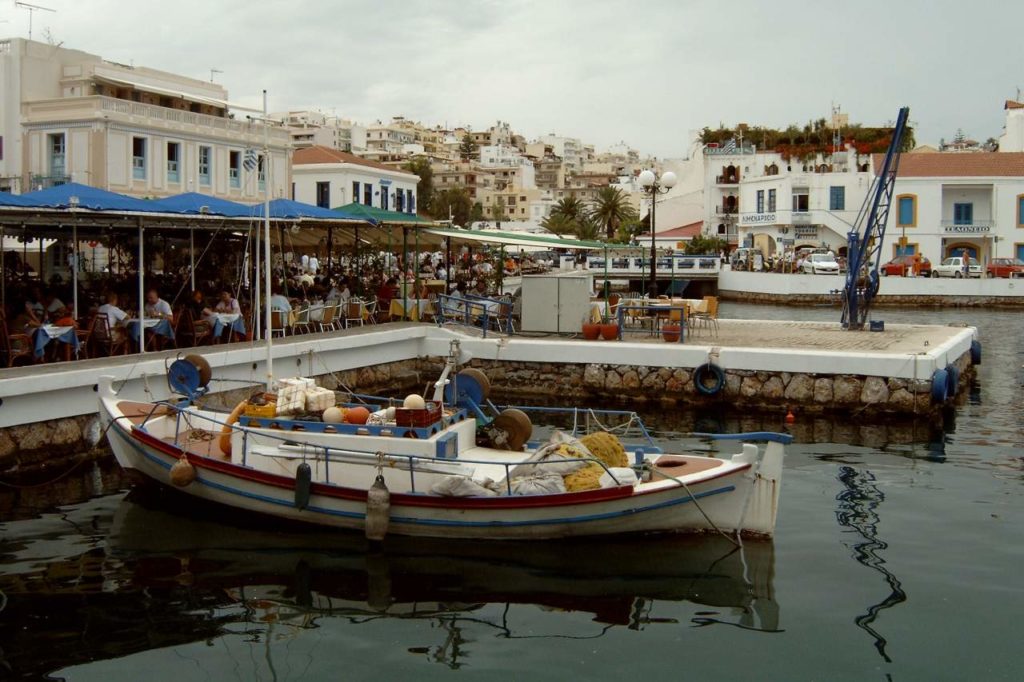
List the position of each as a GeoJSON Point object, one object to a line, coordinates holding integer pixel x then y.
{"type": "Point", "coordinates": [647, 73]}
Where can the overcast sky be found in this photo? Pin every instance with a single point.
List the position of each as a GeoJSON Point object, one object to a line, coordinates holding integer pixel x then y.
{"type": "Point", "coordinates": [646, 72]}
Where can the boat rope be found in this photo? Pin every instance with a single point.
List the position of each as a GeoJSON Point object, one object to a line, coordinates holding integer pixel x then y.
{"type": "Point", "coordinates": [696, 502]}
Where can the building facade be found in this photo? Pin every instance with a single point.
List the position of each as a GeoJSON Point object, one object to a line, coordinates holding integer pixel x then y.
{"type": "Point", "coordinates": [330, 178]}
{"type": "Point", "coordinates": [137, 131]}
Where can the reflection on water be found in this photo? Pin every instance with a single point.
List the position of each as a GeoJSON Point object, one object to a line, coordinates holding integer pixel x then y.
{"type": "Point", "coordinates": [858, 511]}
{"type": "Point", "coordinates": [139, 574]}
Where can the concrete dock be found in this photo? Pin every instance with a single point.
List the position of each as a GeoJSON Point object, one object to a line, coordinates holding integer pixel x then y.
{"type": "Point", "coordinates": [764, 366]}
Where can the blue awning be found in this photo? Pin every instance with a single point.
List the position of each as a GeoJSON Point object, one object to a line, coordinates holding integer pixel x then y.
{"type": "Point", "coordinates": [286, 209]}
{"type": "Point", "coordinates": [8, 199]}
{"type": "Point", "coordinates": [194, 203]}
{"type": "Point", "coordinates": [88, 197]}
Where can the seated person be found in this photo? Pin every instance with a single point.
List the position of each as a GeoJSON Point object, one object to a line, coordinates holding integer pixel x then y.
{"type": "Point", "coordinates": [279, 301]}
{"type": "Point", "coordinates": [115, 316]}
{"type": "Point", "coordinates": [197, 306]}
{"type": "Point", "coordinates": [386, 293]}
{"type": "Point", "coordinates": [226, 303]}
{"type": "Point", "coordinates": [55, 309]}
{"type": "Point", "coordinates": [157, 308]}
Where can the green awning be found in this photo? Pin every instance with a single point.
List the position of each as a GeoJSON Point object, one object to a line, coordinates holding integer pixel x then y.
{"type": "Point", "coordinates": [509, 238]}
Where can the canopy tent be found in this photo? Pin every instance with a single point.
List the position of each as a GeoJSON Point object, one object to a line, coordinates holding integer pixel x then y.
{"type": "Point", "coordinates": [8, 199]}
{"type": "Point", "coordinates": [286, 209]}
{"type": "Point", "coordinates": [378, 216]}
{"type": "Point", "coordinates": [87, 198]}
{"type": "Point", "coordinates": [507, 238]}
{"type": "Point", "coordinates": [193, 203]}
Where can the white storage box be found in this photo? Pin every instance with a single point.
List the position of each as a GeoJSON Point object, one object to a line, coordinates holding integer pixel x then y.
{"type": "Point", "coordinates": [300, 382]}
{"type": "Point", "coordinates": [290, 399]}
{"type": "Point", "coordinates": [319, 399]}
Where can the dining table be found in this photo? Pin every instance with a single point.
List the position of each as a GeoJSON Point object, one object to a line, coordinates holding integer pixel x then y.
{"type": "Point", "coordinates": [223, 321]}
{"type": "Point", "coordinates": [415, 309]}
{"type": "Point", "coordinates": [51, 332]}
{"type": "Point", "coordinates": [159, 326]}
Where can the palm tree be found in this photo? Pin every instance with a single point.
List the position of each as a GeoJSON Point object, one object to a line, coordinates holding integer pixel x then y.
{"type": "Point", "coordinates": [587, 229]}
{"type": "Point", "coordinates": [569, 208]}
{"type": "Point", "coordinates": [556, 223]}
{"type": "Point", "coordinates": [612, 209]}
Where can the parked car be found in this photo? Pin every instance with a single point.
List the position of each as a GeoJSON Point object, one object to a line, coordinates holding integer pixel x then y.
{"type": "Point", "coordinates": [1005, 267]}
{"type": "Point", "coordinates": [820, 264]}
{"type": "Point", "coordinates": [902, 266]}
{"type": "Point", "coordinates": [954, 267]}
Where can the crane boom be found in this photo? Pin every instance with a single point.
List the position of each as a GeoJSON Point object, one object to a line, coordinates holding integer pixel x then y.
{"type": "Point", "coordinates": [864, 241]}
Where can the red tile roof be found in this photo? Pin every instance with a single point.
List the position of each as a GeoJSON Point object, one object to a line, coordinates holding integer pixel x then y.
{"type": "Point", "coordinates": [681, 232]}
{"type": "Point", "coordinates": [318, 154]}
{"type": "Point", "coordinates": [957, 164]}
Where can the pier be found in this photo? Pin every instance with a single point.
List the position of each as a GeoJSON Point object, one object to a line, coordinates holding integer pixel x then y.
{"type": "Point", "coordinates": [765, 366]}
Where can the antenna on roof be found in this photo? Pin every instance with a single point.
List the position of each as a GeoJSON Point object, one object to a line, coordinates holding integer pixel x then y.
{"type": "Point", "coordinates": [213, 72]}
{"type": "Point", "coordinates": [32, 9]}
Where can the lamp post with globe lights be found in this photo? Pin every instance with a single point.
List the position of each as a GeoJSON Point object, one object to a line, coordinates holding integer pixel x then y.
{"type": "Point", "coordinates": [654, 186]}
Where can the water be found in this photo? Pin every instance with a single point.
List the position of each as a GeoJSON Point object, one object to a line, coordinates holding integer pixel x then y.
{"type": "Point", "coordinates": [897, 557]}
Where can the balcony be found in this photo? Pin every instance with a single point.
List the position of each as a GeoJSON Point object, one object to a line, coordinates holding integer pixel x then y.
{"type": "Point", "coordinates": [48, 181]}
{"type": "Point", "coordinates": [726, 210]}
{"type": "Point", "coordinates": [982, 227]}
{"type": "Point", "coordinates": [727, 180]}
{"type": "Point", "coordinates": [98, 107]}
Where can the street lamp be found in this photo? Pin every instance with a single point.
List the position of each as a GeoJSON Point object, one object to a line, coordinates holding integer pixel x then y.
{"type": "Point", "coordinates": [654, 186]}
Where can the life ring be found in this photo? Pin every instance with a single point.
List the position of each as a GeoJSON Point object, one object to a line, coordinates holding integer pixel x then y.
{"type": "Point", "coordinates": [952, 379]}
{"type": "Point", "coordinates": [225, 432]}
{"type": "Point", "coordinates": [940, 386]}
{"type": "Point", "coordinates": [975, 352]}
{"type": "Point", "coordinates": [702, 373]}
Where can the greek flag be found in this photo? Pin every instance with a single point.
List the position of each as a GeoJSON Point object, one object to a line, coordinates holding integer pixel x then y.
{"type": "Point", "coordinates": [251, 160]}
{"type": "Point", "coordinates": [729, 147]}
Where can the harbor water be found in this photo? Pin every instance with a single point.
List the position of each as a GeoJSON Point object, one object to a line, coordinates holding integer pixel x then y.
{"type": "Point", "coordinates": [897, 557]}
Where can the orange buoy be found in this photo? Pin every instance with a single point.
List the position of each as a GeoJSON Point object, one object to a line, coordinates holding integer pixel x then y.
{"type": "Point", "coordinates": [225, 432]}
{"type": "Point", "coordinates": [789, 417]}
{"type": "Point", "coordinates": [357, 415]}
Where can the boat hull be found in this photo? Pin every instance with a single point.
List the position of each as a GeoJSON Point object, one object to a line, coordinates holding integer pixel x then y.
{"type": "Point", "coordinates": [665, 508]}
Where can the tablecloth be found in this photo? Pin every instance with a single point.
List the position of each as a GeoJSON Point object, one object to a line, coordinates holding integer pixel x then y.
{"type": "Point", "coordinates": [157, 326]}
{"type": "Point", "coordinates": [49, 332]}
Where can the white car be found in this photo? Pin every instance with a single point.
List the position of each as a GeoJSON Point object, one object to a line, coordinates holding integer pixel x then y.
{"type": "Point", "coordinates": [954, 267]}
{"type": "Point", "coordinates": [820, 264]}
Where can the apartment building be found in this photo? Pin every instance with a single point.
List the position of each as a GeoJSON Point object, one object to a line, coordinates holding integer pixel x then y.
{"type": "Point", "coordinates": [313, 128]}
{"type": "Point", "coordinates": [330, 178]}
{"type": "Point", "coordinates": [67, 115]}
{"type": "Point", "coordinates": [569, 149]}
{"type": "Point", "coordinates": [1012, 139]}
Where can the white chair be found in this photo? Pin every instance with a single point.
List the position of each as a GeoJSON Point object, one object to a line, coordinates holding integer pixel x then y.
{"type": "Point", "coordinates": [354, 313]}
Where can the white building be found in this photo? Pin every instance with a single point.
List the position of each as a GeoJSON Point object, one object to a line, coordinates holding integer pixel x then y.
{"type": "Point", "coordinates": [330, 178]}
{"type": "Point", "coordinates": [1012, 139]}
{"type": "Point", "coordinates": [569, 149]}
{"type": "Point", "coordinates": [67, 115]}
{"type": "Point", "coordinates": [313, 128]}
{"type": "Point", "coordinates": [946, 203]}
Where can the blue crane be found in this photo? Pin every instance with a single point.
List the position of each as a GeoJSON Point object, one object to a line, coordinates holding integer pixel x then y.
{"type": "Point", "coordinates": [864, 241]}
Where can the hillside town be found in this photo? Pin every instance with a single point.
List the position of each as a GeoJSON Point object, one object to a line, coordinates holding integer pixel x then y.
{"type": "Point", "coordinates": [71, 116]}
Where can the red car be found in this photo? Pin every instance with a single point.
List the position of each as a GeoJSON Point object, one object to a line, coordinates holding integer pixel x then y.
{"type": "Point", "coordinates": [901, 266]}
{"type": "Point", "coordinates": [1005, 267]}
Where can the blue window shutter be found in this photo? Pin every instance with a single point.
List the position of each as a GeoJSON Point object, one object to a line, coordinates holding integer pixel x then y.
{"type": "Point", "coordinates": [906, 212]}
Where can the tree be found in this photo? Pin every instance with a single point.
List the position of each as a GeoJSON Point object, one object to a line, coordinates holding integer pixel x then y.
{"type": "Point", "coordinates": [703, 244]}
{"type": "Point", "coordinates": [611, 210]}
{"type": "Point", "coordinates": [498, 212]}
{"type": "Point", "coordinates": [587, 229]}
{"type": "Point", "coordinates": [454, 201]}
{"type": "Point", "coordinates": [570, 208]}
{"type": "Point", "coordinates": [476, 214]}
{"type": "Point", "coordinates": [557, 223]}
{"type": "Point", "coordinates": [467, 148]}
{"type": "Point", "coordinates": [425, 187]}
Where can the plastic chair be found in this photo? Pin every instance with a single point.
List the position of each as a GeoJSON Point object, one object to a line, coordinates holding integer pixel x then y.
{"type": "Point", "coordinates": [354, 313]}
{"type": "Point", "coordinates": [110, 341]}
{"type": "Point", "coordinates": [15, 346]}
{"type": "Point", "coordinates": [278, 322]}
{"type": "Point", "coordinates": [189, 332]}
{"type": "Point", "coordinates": [302, 321]}
{"type": "Point", "coordinates": [329, 319]}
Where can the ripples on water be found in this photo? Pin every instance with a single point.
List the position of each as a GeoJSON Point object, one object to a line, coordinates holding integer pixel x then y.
{"type": "Point", "coordinates": [897, 557]}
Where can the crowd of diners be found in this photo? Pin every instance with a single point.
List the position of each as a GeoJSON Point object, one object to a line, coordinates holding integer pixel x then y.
{"type": "Point", "coordinates": [108, 305]}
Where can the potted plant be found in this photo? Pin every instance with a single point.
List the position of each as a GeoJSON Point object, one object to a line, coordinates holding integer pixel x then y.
{"type": "Point", "coordinates": [609, 329]}
{"type": "Point", "coordinates": [670, 332]}
{"type": "Point", "coordinates": [591, 329]}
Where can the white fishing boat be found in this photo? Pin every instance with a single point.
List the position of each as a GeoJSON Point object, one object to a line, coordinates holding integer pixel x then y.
{"type": "Point", "coordinates": [454, 466]}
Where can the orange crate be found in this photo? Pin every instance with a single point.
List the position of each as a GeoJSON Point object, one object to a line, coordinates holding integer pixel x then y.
{"type": "Point", "coordinates": [419, 418]}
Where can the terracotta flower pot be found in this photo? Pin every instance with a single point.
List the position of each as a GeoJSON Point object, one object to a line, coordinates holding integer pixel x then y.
{"type": "Point", "coordinates": [670, 332]}
{"type": "Point", "coordinates": [609, 332]}
{"type": "Point", "coordinates": [591, 331]}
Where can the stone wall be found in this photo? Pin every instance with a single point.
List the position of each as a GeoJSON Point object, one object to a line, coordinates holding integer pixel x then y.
{"type": "Point", "coordinates": [882, 301]}
{"type": "Point", "coordinates": [743, 389]}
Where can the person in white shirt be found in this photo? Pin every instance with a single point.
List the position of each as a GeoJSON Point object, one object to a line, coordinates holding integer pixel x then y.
{"type": "Point", "coordinates": [314, 264]}
{"type": "Point", "coordinates": [115, 316]}
{"type": "Point", "coordinates": [279, 301]}
{"type": "Point", "coordinates": [156, 307]}
{"type": "Point", "coordinates": [305, 262]}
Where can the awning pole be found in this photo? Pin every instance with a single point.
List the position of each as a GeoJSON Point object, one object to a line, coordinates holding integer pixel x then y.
{"type": "Point", "coordinates": [142, 292]}
{"type": "Point", "coordinates": [416, 267]}
{"type": "Point", "coordinates": [74, 269]}
{"type": "Point", "coordinates": [192, 255]}
{"type": "Point", "coordinates": [501, 269]}
{"type": "Point", "coordinates": [330, 244]}
{"type": "Point", "coordinates": [357, 285]}
{"type": "Point", "coordinates": [257, 329]}
{"type": "Point", "coordinates": [266, 238]}
{"type": "Point", "coordinates": [3, 272]}
{"type": "Point", "coordinates": [448, 266]}
{"type": "Point", "coordinates": [405, 264]}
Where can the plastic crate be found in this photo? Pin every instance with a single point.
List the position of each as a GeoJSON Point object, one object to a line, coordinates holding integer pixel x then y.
{"type": "Point", "coordinates": [268, 411]}
{"type": "Point", "coordinates": [418, 418]}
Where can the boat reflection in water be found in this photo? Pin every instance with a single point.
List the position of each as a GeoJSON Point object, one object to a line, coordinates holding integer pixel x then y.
{"type": "Point", "coordinates": [208, 579]}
